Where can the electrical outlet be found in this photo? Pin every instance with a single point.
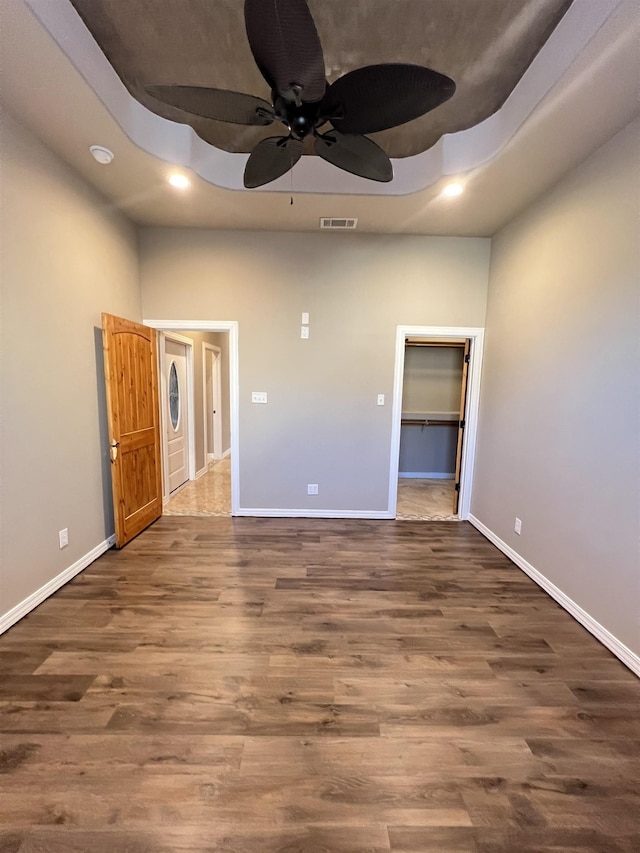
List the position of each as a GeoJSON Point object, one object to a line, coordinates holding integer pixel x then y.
{"type": "Point", "coordinates": [381, 399]}
{"type": "Point", "coordinates": [258, 396]}
{"type": "Point", "coordinates": [304, 332]}
{"type": "Point", "coordinates": [63, 537]}
{"type": "Point", "coordinates": [312, 488]}
{"type": "Point", "coordinates": [305, 318]}
{"type": "Point", "coordinates": [518, 526]}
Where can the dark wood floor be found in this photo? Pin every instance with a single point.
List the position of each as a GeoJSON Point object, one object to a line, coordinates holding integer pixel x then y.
{"type": "Point", "coordinates": [261, 685]}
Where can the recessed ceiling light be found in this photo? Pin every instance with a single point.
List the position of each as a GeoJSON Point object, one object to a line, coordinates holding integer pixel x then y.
{"type": "Point", "coordinates": [101, 154]}
{"type": "Point", "coordinates": [179, 181]}
{"type": "Point", "coordinates": [452, 190]}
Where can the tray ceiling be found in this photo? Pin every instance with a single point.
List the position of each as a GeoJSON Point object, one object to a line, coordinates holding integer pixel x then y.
{"type": "Point", "coordinates": [484, 45]}
{"type": "Point", "coordinates": [579, 90]}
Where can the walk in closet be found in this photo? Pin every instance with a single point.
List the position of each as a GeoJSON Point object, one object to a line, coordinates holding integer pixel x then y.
{"type": "Point", "coordinates": [433, 401]}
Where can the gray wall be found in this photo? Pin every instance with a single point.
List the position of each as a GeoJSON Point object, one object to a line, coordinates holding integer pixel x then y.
{"type": "Point", "coordinates": [432, 379]}
{"type": "Point", "coordinates": [322, 424]}
{"type": "Point", "coordinates": [560, 410]}
{"type": "Point", "coordinates": [65, 258]}
{"type": "Point", "coordinates": [428, 451]}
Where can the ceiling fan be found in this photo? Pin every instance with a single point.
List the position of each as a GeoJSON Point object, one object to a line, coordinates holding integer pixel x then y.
{"type": "Point", "coordinates": [287, 50]}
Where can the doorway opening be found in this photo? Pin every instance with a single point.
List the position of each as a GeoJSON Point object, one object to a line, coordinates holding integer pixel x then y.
{"type": "Point", "coordinates": [214, 401]}
{"type": "Point", "coordinates": [432, 427]}
{"type": "Point", "coordinates": [436, 394]}
{"type": "Point", "coordinates": [200, 401]}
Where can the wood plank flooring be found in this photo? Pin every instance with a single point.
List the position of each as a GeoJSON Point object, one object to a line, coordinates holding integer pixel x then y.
{"type": "Point", "coordinates": [313, 686]}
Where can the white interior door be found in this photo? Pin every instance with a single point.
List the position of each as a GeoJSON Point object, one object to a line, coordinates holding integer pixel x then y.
{"type": "Point", "coordinates": [213, 404]}
{"type": "Point", "coordinates": [216, 405]}
{"type": "Point", "coordinates": [177, 414]}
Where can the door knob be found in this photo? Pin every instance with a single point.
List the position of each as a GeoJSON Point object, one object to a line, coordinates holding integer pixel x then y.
{"type": "Point", "coordinates": [113, 450]}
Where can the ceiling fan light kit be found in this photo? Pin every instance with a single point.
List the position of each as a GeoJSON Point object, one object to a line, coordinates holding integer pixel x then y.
{"type": "Point", "coordinates": [285, 45]}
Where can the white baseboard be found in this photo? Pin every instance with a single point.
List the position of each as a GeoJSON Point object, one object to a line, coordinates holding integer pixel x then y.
{"type": "Point", "coordinates": [624, 653]}
{"type": "Point", "coordinates": [201, 472]}
{"type": "Point", "coordinates": [12, 616]}
{"type": "Point", "coordinates": [425, 475]}
{"type": "Point", "coordinates": [313, 513]}
{"type": "Point", "coordinates": [226, 453]}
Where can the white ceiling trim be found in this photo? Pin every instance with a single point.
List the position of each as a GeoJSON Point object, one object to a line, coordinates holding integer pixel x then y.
{"type": "Point", "coordinates": [453, 154]}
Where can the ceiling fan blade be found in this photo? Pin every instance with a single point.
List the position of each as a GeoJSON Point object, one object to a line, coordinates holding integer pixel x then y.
{"type": "Point", "coordinates": [378, 97]}
{"type": "Point", "coordinates": [218, 104]}
{"type": "Point", "coordinates": [355, 154]}
{"type": "Point", "coordinates": [286, 48]}
{"type": "Point", "coordinates": [271, 158]}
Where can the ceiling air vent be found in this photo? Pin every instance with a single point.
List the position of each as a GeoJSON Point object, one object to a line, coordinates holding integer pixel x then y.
{"type": "Point", "coordinates": [338, 224]}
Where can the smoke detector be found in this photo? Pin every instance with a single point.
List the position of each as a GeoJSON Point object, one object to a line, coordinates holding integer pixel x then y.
{"type": "Point", "coordinates": [336, 224]}
{"type": "Point", "coordinates": [101, 154]}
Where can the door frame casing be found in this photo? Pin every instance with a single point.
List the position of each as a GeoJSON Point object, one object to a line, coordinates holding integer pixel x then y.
{"type": "Point", "coordinates": [163, 336]}
{"type": "Point", "coordinates": [216, 452]}
{"type": "Point", "coordinates": [230, 326]}
{"type": "Point", "coordinates": [476, 335]}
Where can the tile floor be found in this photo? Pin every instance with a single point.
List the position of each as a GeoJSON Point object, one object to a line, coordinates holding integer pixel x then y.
{"type": "Point", "coordinates": [210, 495]}
{"type": "Point", "coordinates": [425, 500]}
{"type": "Point", "coordinates": [418, 500]}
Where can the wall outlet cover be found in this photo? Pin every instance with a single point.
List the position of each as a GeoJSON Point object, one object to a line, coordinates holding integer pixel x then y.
{"type": "Point", "coordinates": [258, 396]}
{"type": "Point", "coordinates": [312, 488]}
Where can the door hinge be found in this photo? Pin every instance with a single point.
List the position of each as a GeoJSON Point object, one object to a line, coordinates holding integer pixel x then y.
{"type": "Point", "coordinates": [467, 358]}
{"type": "Point", "coordinates": [457, 487]}
{"type": "Point", "coordinates": [462, 424]}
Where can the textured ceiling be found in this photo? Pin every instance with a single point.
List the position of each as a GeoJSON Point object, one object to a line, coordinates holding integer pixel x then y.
{"type": "Point", "coordinates": [484, 45]}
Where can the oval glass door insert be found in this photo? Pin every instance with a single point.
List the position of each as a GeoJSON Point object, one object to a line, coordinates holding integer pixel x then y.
{"type": "Point", "coordinates": [174, 396]}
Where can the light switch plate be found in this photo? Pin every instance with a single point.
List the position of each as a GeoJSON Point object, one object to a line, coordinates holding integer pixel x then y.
{"type": "Point", "coordinates": [305, 318]}
{"type": "Point", "coordinates": [381, 399]}
{"type": "Point", "coordinates": [304, 332]}
{"type": "Point", "coordinates": [258, 396]}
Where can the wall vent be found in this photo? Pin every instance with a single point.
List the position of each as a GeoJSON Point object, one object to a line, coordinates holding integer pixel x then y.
{"type": "Point", "coordinates": [338, 224]}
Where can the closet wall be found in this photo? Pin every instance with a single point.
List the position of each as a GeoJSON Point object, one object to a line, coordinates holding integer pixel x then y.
{"type": "Point", "coordinates": [431, 391]}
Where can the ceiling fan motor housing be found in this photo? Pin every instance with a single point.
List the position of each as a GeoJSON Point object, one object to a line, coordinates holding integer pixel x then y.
{"type": "Point", "coordinates": [301, 119]}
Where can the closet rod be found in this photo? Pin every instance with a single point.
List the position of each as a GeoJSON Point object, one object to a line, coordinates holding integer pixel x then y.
{"type": "Point", "coordinates": [424, 423]}
{"type": "Point", "coordinates": [448, 344]}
